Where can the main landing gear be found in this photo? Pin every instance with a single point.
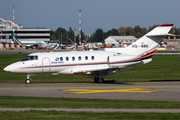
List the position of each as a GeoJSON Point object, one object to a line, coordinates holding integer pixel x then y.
{"type": "Point", "coordinates": [98, 80]}
{"type": "Point", "coordinates": [28, 80]}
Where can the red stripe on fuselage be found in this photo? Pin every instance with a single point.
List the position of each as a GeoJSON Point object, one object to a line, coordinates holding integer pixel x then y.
{"type": "Point", "coordinates": [133, 60]}
{"type": "Point", "coordinates": [148, 54]}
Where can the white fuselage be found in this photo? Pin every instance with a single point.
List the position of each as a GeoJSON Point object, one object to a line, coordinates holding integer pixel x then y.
{"type": "Point", "coordinates": [77, 63]}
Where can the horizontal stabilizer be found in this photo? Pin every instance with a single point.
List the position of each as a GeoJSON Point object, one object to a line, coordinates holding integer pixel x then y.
{"type": "Point", "coordinates": [161, 30]}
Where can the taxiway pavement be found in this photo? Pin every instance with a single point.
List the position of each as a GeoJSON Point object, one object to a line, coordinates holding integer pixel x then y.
{"type": "Point", "coordinates": [152, 91]}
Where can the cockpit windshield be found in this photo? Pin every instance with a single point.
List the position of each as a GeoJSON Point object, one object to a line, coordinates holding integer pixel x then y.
{"type": "Point", "coordinates": [27, 58]}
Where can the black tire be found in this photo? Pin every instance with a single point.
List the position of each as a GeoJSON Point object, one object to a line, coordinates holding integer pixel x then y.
{"type": "Point", "coordinates": [96, 79]}
{"type": "Point", "coordinates": [100, 80]}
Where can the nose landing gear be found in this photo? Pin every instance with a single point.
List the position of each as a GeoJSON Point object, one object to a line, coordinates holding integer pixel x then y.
{"type": "Point", "coordinates": [28, 80]}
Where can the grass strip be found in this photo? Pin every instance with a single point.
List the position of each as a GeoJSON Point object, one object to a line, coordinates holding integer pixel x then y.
{"type": "Point", "coordinates": [54, 115]}
{"type": "Point", "coordinates": [38, 102]}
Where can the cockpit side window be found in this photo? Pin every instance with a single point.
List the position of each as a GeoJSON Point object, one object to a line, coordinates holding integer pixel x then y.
{"type": "Point", "coordinates": [35, 57]}
{"type": "Point", "coordinates": [31, 58]}
{"type": "Point", "coordinates": [27, 58]}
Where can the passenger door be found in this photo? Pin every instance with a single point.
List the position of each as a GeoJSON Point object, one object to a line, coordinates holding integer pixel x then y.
{"type": "Point", "coordinates": [46, 65]}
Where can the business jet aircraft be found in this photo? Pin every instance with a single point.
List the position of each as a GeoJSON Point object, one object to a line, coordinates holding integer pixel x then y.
{"type": "Point", "coordinates": [27, 44]}
{"type": "Point", "coordinates": [97, 64]}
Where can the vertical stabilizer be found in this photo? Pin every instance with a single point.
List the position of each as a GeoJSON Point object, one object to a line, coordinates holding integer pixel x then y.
{"type": "Point", "coordinates": [15, 40]}
{"type": "Point", "coordinates": [148, 44]}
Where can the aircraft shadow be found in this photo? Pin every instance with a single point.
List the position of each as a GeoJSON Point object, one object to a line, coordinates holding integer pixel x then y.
{"type": "Point", "coordinates": [113, 82]}
{"type": "Point", "coordinates": [164, 81]}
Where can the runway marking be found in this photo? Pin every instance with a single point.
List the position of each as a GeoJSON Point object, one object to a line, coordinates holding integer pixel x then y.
{"type": "Point", "coordinates": [81, 91]}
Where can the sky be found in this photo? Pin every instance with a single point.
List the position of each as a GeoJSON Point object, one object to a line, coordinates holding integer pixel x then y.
{"type": "Point", "coordinates": [104, 14]}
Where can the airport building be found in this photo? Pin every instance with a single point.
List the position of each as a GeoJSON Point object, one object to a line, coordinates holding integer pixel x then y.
{"type": "Point", "coordinates": [172, 41]}
{"type": "Point", "coordinates": [22, 34]}
{"type": "Point", "coordinates": [120, 40]}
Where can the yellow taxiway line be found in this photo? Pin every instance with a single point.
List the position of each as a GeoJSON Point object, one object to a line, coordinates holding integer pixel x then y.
{"type": "Point", "coordinates": [81, 91]}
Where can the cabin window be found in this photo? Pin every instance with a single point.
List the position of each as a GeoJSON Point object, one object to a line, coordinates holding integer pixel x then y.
{"type": "Point", "coordinates": [61, 58]}
{"type": "Point", "coordinates": [79, 58]}
{"type": "Point", "coordinates": [73, 58]}
{"type": "Point", "coordinates": [86, 57]}
{"type": "Point", "coordinates": [57, 59]}
{"type": "Point", "coordinates": [67, 58]}
{"type": "Point", "coordinates": [92, 57]}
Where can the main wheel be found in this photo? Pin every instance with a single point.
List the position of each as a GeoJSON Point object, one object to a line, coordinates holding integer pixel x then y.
{"type": "Point", "coordinates": [28, 81]}
{"type": "Point", "coordinates": [100, 80]}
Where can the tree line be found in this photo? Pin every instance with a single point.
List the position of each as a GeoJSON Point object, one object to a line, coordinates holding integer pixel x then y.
{"type": "Point", "coordinates": [99, 35]}
{"type": "Point", "coordinates": [63, 36]}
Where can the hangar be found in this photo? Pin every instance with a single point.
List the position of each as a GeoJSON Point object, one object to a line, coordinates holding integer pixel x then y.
{"type": "Point", "coordinates": [120, 40]}
{"type": "Point", "coordinates": [172, 41]}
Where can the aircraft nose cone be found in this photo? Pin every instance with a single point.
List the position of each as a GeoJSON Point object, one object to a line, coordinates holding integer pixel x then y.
{"type": "Point", "coordinates": [14, 67]}
{"type": "Point", "coordinates": [7, 69]}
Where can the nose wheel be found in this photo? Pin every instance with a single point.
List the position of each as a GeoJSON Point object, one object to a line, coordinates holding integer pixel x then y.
{"type": "Point", "coordinates": [28, 80]}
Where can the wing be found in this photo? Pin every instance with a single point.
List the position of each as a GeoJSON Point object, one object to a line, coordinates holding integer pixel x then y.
{"type": "Point", "coordinates": [93, 72]}
{"type": "Point", "coordinates": [102, 71]}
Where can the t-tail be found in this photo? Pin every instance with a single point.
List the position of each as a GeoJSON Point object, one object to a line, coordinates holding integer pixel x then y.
{"type": "Point", "coordinates": [146, 46]}
{"type": "Point", "coordinates": [15, 40]}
